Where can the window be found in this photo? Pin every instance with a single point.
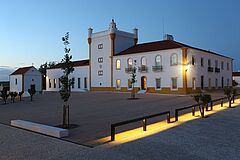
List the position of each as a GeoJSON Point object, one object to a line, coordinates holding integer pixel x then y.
{"type": "Point", "coordinates": [15, 81]}
{"type": "Point", "coordinates": [228, 66]}
{"type": "Point", "coordinates": [202, 62]}
{"type": "Point", "coordinates": [100, 46]}
{"type": "Point", "coordinates": [193, 60]}
{"type": "Point", "coordinates": [227, 82]}
{"type": "Point", "coordinates": [79, 83]}
{"type": "Point", "coordinates": [216, 83]}
{"type": "Point", "coordinates": [85, 82]}
{"type": "Point", "coordinates": [50, 84]}
{"type": "Point", "coordinates": [118, 64]}
{"type": "Point", "coordinates": [174, 59]}
{"type": "Point", "coordinates": [174, 83]}
{"type": "Point", "coordinates": [143, 61]}
{"type": "Point", "coordinates": [158, 83]}
{"type": "Point", "coordinates": [100, 60]}
{"type": "Point", "coordinates": [222, 65]}
{"type": "Point", "coordinates": [73, 80]}
{"type": "Point", "coordinates": [130, 62]}
{"type": "Point", "coordinates": [118, 83]}
{"type": "Point", "coordinates": [59, 83]}
{"type": "Point", "coordinates": [54, 83]}
{"type": "Point", "coordinates": [100, 73]}
{"type": "Point", "coordinates": [194, 83]}
{"type": "Point", "coordinates": [209, 63]}
{"type": "Point", "coordinates": [158, 60]}
{"type": "Point", "coordinates": [216, 63]}
{"type": "Point", "coordinates": [209, 83]}
{"type": "Point", "coordinates": [129, 83]}
{"type": "Point", "coordinates": [33, 80]}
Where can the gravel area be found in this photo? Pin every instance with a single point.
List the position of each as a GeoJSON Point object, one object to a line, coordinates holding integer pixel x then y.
{"type": "Point", "coordinates": [216, 137]}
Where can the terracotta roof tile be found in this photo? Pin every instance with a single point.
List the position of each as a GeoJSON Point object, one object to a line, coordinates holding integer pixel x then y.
{"type": "Point", "coordinates": [160, 45]}
{"type": "Point", "coordinates": [236, 74]}
{"type": "Point", "coordinates": [75, 64]}
{"type": "Point", "coordinates": [22, 70]}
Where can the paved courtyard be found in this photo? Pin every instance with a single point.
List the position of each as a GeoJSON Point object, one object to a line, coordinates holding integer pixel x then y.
{"type": "Point", "coordinates": [213, 138]}
{"type": "Point", "coordinates": [92, 112]}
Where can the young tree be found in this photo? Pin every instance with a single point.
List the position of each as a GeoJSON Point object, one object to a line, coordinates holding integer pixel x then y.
{"type": "Point", "coordinates": [230, 92]}
{"type": "Point", "coordinates": [31, 91]}
{"type": "Point", "coordinates": [4, 95]}
{"type": "Point", "coordinates": [205, 99]}
{"type": "Point", "coordinates": [13, 95]}
{"type": "Point", "coordinates": [133, 80]}
{"type": "Point", "coordinates": [20, 95]}
{"type": "Point", "coordinates": [43, 69]}
{"type": "Point", "coordinates": [65, 91]}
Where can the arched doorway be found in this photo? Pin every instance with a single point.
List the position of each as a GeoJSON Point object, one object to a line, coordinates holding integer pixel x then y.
{"type": "Point", "coordinates": [143, 83]}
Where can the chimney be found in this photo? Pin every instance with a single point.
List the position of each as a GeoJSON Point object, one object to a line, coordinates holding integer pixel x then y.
{"type": "Point", "coordinates": [168, 37]}
{"type": "Point", "coordinates": [135, 32]}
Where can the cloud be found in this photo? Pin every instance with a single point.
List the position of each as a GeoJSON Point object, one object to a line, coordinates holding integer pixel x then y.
{"type": "Point", "coordinates": [5, 71]}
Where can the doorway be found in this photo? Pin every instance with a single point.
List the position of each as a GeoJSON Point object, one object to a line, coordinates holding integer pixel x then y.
{"type": "Point", "coordinates": [222, 82]}
{"type": "Point", "coordinates": [143, 83]}
{"type": "Point", "coordinates": [202, 82]}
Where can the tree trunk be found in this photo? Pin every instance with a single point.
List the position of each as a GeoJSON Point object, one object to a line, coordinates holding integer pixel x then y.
{"type": "Point", "coordinates": [65, 115]}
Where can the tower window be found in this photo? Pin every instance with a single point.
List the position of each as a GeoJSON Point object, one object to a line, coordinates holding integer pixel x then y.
{"type": "Point", "coordinates": [100, 46]}
{"type": "Point", "coordinates": [118, 64]}
{"type": "Point", "coordinates": [100, 73]}
{"type": "Point", "coordinates": [100, 60]}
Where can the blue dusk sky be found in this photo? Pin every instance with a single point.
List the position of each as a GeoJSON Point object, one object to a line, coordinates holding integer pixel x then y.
{"type": "Point", "coordinates": [31, 30]}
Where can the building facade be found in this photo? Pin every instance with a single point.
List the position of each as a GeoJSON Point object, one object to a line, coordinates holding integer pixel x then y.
{"type": "Point", "coordinates": [25, 78]}
{"type": "Point", "coordinates": [164, 66]}
{"type": "Point", "coordinates": [236, 78]}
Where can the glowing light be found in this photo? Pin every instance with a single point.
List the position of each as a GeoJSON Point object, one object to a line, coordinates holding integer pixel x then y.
{"type": "Point", "coordinates": [138, 133]}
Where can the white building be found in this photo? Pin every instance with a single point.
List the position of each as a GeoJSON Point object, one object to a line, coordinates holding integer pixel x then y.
{"type": "Point", "coordinates": [163, 67]}
{"type": "Point", "coordinates": [236, 78]}
{"type": "Point", "coordinates": [25, 78]}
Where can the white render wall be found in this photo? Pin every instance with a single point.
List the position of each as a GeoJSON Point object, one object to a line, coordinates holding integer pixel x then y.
{"type": "Point", "coordinates": [79, 72]}
{"type": "Point", "coordinates": [33, 77]}
{"type": "Point", "coordinates": [196, 71]}
{"type": "Point", "coordinates": [166, 75]}
{"type": "Point", "coordinates": [13, 86]}
{"type": "Point", "coordinates": [237, 79]}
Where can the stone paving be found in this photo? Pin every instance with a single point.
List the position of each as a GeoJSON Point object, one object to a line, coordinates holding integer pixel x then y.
{"type": "Point", "coordinates": [216, 137]}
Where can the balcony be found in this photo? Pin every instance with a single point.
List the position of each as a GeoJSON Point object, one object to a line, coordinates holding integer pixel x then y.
{"type": "Point", "coordinates": [143, 69]}
{"type": "Point", "coordinates": [210, 69]}
{"type": "Point", "coordinates": [157, 68]}
{"type": "Point", "coordinates": [129, 70]}
{"type": "Point", "coordinates": [217, 70]}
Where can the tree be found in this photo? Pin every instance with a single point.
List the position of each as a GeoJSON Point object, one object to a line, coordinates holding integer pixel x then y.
{"type": "Point", "coordinates": [4, 95]}
{"type": "Point", "coordinates": [43, 69]}
{"type": "Point", "coordinates": [204, 99]}
{"type": "Point", "coordinates": [230, 92]}
{"type": "Point", "coordinates": [13, 95]}
{"type": "Point", "coordinates": [20, 95]}
{"type": "Point", "coordinates": [133, 80]}
{"type": "Point", "coordinates": [65, 91]}
{"type": "Point", "coordinates": [31, 91]}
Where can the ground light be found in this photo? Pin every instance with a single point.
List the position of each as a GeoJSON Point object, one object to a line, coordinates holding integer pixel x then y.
{"type": "Point", "coordinates": [138, 133]}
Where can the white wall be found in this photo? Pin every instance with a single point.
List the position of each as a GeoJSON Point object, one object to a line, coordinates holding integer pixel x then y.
{"type": "Point", "coordinates": [79, 72]}
{"type": "Point", "coordinates": [237, 79]}
{"type": "Point", "coordinates": [33, 77]}
{"type": "Point", "coordinates": [197, 70]}
{"type": "Point", "coordinates": [13, 86]}
{"type": "Point", "coordinates": [166, 75]}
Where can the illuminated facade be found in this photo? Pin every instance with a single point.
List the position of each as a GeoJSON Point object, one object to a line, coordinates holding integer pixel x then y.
{"type": "Point", "coordinates": [165, 66]}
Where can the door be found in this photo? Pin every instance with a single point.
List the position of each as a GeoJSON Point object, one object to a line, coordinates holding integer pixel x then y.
{"type": "Point", "coordinates": [202, 82]}
{"type": "Point", "coordinates": [33, 87]}
{"type": "Point", "coordinates": [143, 83]}
{"type": "Point", "coordinates": [222, 82]}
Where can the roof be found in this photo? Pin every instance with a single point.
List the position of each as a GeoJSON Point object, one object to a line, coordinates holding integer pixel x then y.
{"type": "Point", "coordinates": [75, 64]}
{"type": "Point", "coordinates": [236, 74]}
{"type": "Point", "coordinates": [161, 45]}
{"type": "Point", "coordinates": [22, 70]}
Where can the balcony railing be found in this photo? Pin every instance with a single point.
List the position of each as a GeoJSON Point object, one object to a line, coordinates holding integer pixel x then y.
{"type": "Point", "coordinates": [157, 68]}
{"type": "Point", "coordinates": [217, 70]}
{"type": "Point", "coordinates": [210, 69]}
{"type": "Point", "coordinates": [143, 69]}
{"type": "Point", "coordinates": [129, 70]}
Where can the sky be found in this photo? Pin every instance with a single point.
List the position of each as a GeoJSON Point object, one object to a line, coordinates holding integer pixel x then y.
{"type": "Point", "coordinates": [31, 31]}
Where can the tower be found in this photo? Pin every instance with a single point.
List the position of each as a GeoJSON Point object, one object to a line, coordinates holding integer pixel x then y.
{"type": "Point", "coordinates": [102, 47]}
